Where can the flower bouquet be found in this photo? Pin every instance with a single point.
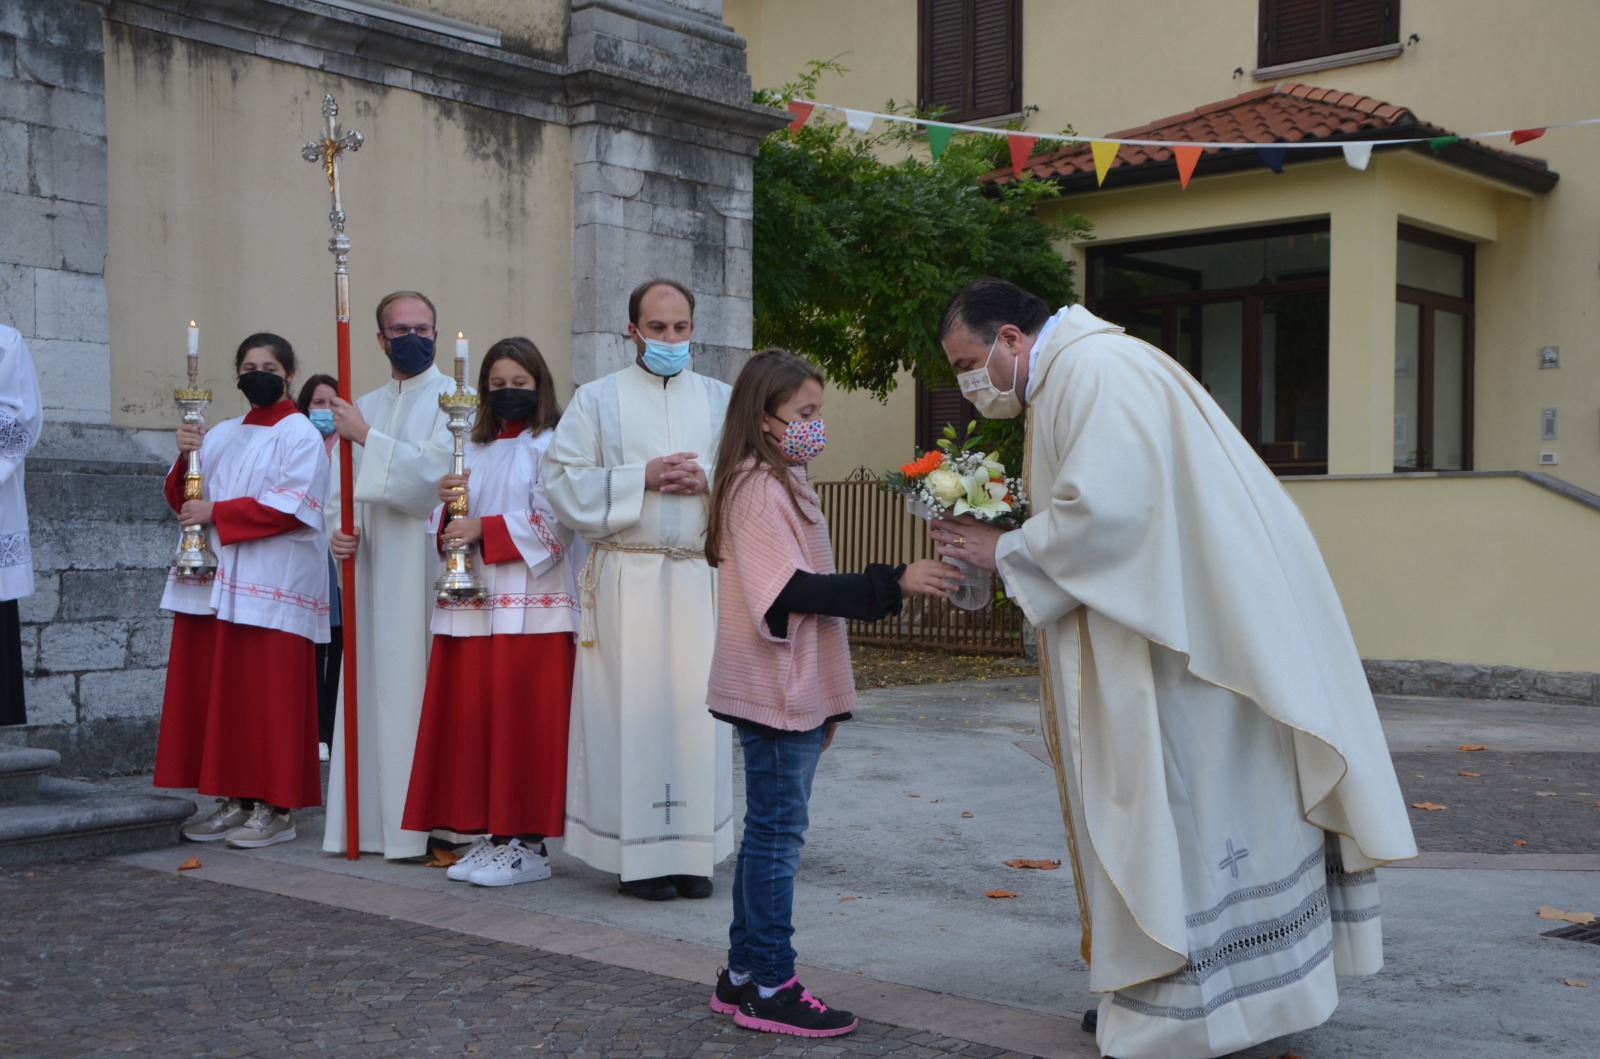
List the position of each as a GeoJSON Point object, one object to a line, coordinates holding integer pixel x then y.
{"type": "Point", "coordinates": [960, 479]}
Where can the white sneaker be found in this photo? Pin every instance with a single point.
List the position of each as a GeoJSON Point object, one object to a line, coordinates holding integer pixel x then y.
{"type": "Point", "coordinates": [230, 814]}
{"type": "Point", "coordinates": [478, 855]}
{"type": "Point", "coordinates": [266, 827]}
{"type": "Point", "coordinates": [513, 863]}
{"type": "Point", "coordinates": [323, 752]}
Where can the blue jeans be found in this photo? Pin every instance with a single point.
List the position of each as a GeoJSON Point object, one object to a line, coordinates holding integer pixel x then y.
{"type": "Point", "coordinates": [778, 770]}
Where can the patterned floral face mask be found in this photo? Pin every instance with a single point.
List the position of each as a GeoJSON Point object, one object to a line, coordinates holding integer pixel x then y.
{"type": "Point", "coordinates": [803, 439]}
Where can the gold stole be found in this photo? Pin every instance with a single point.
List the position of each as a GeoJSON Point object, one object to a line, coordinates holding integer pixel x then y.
{"type": "Point", "coordinates": [1047, 710]}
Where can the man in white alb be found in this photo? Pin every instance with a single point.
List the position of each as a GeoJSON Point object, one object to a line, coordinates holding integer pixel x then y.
{"type": "Point", "coordinates": [405, 449]}
{"type": "Point", "coordinates": [20, 419]}
{"type": "Point", "coordinates": [1226, 788]}
{"type": "Point", "coordinates": [649, 772]}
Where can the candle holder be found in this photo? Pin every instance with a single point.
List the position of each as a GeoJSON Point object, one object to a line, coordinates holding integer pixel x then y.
{"type": "Point", "coordinates": [460, 582]}
{"type": "Point", "coordinates": [194, 557]}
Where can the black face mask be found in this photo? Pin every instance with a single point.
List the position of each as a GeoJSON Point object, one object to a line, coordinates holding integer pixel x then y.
{"type": "Point", "coordinates": [411, 353]}
{"type": "Point", "coordinates": [261, 388]}
{"type": "Point", "coordinates": [513, 405]}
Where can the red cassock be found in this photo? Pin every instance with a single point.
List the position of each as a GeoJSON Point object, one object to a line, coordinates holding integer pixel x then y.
{"type": "Point", "coordinates": [239, 717]}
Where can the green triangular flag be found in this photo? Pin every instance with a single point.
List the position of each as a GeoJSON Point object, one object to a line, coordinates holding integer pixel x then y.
{"type": "Point", "coordinates": [938, 139]}
{"type": "Point", "coordinates": [1443, 141]}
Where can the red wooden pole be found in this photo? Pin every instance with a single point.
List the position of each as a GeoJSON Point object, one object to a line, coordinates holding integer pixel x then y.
{"type": "Point", "coordinates": [347, 485]}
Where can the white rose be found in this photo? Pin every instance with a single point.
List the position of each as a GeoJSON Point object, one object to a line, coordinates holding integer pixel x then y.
{"type": "Point", "coordinates": [946, 486]}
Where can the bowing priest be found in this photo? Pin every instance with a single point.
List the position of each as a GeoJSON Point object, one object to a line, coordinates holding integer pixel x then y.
{"type": "Point", "coordinates": [20, 419]}
{"type": "Point", "coordinates": [1225, 785]}
{"type": "Point", "coordinates": [404, 449]}
{"type": "Point", "coordinates": [649, 771]}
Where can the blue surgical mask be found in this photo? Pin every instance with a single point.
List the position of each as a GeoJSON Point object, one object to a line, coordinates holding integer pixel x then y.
{"type": "Point", "coordinates": [665, 359]}
{"type": "Point", "coordinates": [411, 354]}
{"type": "Point", "coordinates": [322, 419]}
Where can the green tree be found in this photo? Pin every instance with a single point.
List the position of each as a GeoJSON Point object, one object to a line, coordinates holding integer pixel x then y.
{"type": "Point", "coordinates": [860, 240]}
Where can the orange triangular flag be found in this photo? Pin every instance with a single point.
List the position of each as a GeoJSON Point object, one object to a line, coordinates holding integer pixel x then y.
{"type": "Point", "coordinates": [1021, 147]}
{"type": "Point", "coordinates": [801, 111]}
{"type": "Point", "coordinates": [1104, 154]}
{"type": "Point", "coordinates": [1186, 155]}
{"type": "Point", "coordinates": [1524, 135]}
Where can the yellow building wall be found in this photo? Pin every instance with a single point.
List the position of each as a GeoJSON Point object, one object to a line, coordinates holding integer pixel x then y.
{"type": "Point", "coordinates": [1483, 570]}
{"type": "Point", "coordinates": [206, 178]}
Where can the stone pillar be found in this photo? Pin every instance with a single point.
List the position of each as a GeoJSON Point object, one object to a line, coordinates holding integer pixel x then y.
{"type": "Point", "coordinates": [663, 132]}
{"type": "Point", "coordinates": [1364, 228]}
{"type": "Point", "coordinates": [53, 201]}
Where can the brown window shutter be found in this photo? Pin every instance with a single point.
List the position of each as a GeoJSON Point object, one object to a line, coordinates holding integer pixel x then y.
{"type": "Point", "coordinates": [1297, 30]}
{"type": "Point", "coordinates": [938, 407]}
{"type": "Point", "coordinates": [970, 60]}
{"type": "Point", "coordinates": [1359, 24]}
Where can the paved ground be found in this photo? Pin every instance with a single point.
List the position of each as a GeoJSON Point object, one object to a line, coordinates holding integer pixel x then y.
{"type": "Point", "coordinates": [289, 951]}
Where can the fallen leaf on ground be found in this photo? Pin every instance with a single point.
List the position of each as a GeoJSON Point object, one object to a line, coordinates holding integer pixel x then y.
{"type": "Point", "coordinates": [999, 893]}
{"type": "Point", "coordinates": [914, 796]}
{"type": "Point", "coordinates": [442, 858]}
{"type": "Point", "coordinates": [1470, 747]}
{"type": "Point", "coordinates": [1430, 806]}
{"type": "Point", "coordinates": [1042, 865]}
{"type": "Point", "coordinates": [968, 815]}
{"type": "Point", "coordinates": [1547, 912]}
{"type": "Point", "coordinates": [190, 865]}
{"type": "Point", "coordinates": [1288, 1055]}
{"type": "Point", "coordinates": [1519, 842]}
{"type": "Point", "coordinates": [1544, 794]}
{"type": "Point", "coordinates": [1474, 775]}
{"type": "Point", "coordinates": [1580, 983]}
{"type": "Point", "coordinates": [850, 898]}
{"type": "Point", "coordinates": [1597, 805]}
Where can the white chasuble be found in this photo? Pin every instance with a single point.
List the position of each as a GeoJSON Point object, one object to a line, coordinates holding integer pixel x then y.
{"type": "Point", "coordinates": [397, 476]}
{"type": "Point", "coordinates": [278, 582]}
{"type": "Point", "coordinates": [539, 594]}
{"type": "Point", "coordinates": [20, 419]}
{"type": "Point", "coordinates": [649, 772]}
{"type": "Point", "coordinates": [1225, 781]}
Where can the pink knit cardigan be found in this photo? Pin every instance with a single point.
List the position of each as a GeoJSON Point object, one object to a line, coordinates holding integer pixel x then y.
{"type": "Point", "coordinates": [796, 683]}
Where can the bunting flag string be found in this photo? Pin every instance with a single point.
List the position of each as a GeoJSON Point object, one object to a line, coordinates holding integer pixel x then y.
{"type": "Point", "coordinates": [1357, 153]}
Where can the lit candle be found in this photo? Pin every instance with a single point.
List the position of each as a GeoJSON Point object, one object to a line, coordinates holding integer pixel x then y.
{"type": "Point", "coordinates": [194, 339]}
{"type": "Point", "coordinates": [461, 360]}
{"type": "Point", "coordinates": [461, 346]}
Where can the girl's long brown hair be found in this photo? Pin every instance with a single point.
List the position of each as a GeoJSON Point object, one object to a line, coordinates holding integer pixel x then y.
{"type": "Point", "coordinates": [545, 415]}
{"type": "Point", "coordinates": [769, 378]}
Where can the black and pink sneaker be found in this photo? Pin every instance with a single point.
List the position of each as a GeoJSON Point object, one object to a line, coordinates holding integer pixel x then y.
{"type": "Point", "coordinates": [792, 1010]}
{"type": "Point", "coordinates": [726, 996]}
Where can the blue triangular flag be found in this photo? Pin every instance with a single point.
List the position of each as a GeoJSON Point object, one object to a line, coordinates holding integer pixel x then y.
{"type": "Point", "coordinates": [1272, 157]}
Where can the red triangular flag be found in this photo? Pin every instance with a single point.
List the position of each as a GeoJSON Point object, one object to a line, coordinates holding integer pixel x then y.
{"type": "Point", "coordinates": [1524, 135]}
{"type": "Point", "coordinates": [1020, 148]}
{"type": "Point", "coordinates": [1186, 155]}
{"type": "Point", "coordinates": [801, 111]}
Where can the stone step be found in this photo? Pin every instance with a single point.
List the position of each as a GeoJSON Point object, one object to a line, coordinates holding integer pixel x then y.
{"type": "Point", "coordinates": [73, 820]}
{"type": "Point", "coordinates": [20, 771]}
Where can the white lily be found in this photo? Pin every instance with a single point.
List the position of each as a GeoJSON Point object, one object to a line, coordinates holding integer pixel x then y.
{"type": "Point", "coordinates": [984, 498]}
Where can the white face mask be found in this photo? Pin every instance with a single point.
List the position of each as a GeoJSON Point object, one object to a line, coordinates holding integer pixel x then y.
{"type": "Point", "coordinates": [991, 401]}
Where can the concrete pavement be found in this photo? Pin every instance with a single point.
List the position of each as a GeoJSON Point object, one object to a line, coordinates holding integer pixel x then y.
{"type": "Point", "coordinates": [914, 810]}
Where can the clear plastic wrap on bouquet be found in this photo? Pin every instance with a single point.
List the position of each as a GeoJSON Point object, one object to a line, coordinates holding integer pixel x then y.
{"type": "Point", "coordinates": [977, 585]}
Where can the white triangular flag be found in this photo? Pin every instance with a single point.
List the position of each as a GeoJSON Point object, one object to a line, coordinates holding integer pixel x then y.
{"type": "Point", "coordinates": [859, 120]}
{"type": "Point", "coordinates": [1357, 155]}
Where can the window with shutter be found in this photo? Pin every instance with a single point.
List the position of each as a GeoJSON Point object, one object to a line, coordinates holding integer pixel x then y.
{"type": "Point", "coordinates": [1295, 31]}
{"type": "Point", "coordinates": [970, 57]}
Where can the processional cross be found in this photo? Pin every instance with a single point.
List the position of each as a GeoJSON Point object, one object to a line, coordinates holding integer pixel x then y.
{"type": "Point", "coordinates": [327, 151]}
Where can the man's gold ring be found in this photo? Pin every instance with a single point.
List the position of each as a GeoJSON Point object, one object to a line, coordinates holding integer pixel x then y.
{"type": "Point", "coordinates": [960, 542]}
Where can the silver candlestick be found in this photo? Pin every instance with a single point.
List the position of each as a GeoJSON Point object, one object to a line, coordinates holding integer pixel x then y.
{"type": "Point", "coordinates": [460, 582]}
{"type": "Point", "coordinates": [194, 557]}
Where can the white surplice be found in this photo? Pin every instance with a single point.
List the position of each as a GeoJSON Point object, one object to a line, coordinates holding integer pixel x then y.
{"type": "Point", "coordinates": [1225, 782]}
{"type": "Point", "coordinates": [539, 594]}
{"type": "Point", "coordinates": [650, 772]}
{"type": "Point", "coordinates": [20, 419]}
{"type": "Point", "coordinates": [278, 582]}
{"type": "Point", "coordinates": [397, 476]}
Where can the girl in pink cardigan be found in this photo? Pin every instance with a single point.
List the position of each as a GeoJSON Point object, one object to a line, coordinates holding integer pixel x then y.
{"type": "Point", "coordinates": [781, 670]}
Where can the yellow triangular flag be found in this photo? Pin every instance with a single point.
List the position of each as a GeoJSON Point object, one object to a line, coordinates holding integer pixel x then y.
{"type": "Point", "coordinates": [1104, 154]}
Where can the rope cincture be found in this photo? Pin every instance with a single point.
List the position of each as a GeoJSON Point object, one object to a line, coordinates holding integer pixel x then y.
{"type": "Point", "coordinates": [589, 577]}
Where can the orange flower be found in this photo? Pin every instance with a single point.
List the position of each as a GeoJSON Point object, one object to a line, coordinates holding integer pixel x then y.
{"type": "Point", "coordinates": [923, 465]}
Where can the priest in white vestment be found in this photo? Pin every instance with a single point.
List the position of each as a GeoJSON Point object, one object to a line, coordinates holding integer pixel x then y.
{"type": "Point", "coordinates": [20, 419]}
{"type": "Point", "coordinates": [404, 449]}
{"type": "Point", "coordinates": [649, 771]}
{"type": "Point", "coordinates": [1225, 784]}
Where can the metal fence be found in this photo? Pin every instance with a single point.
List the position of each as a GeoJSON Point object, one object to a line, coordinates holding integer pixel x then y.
{"type": "Point", "coordinates": [869, 525]}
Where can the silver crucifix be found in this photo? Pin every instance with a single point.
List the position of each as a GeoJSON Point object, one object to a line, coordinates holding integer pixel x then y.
{"type": "Point", "coordinates": [327, 151]}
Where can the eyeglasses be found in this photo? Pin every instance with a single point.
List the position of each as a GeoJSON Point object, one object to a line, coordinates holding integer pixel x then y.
{"type": "Point", "coordinates": [401, 330]}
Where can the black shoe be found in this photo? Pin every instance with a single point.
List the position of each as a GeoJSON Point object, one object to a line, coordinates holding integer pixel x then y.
{"type": "Point", "coordinates": [696, 887]}
{"type": "Point", "coordinates": [657, 889]}
{"type": "Point", "coordinates": [1091, 1020]}
{"type": "Point", "coordinates": [725, 998]}
{"type": "Point", "coordinates": [794, 1011]}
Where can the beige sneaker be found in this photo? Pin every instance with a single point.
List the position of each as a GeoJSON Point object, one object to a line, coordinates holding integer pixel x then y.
{"type": "Point", "coordinates": [266, 827]}
{"type": "Point", "coordinates": [230, 816]}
